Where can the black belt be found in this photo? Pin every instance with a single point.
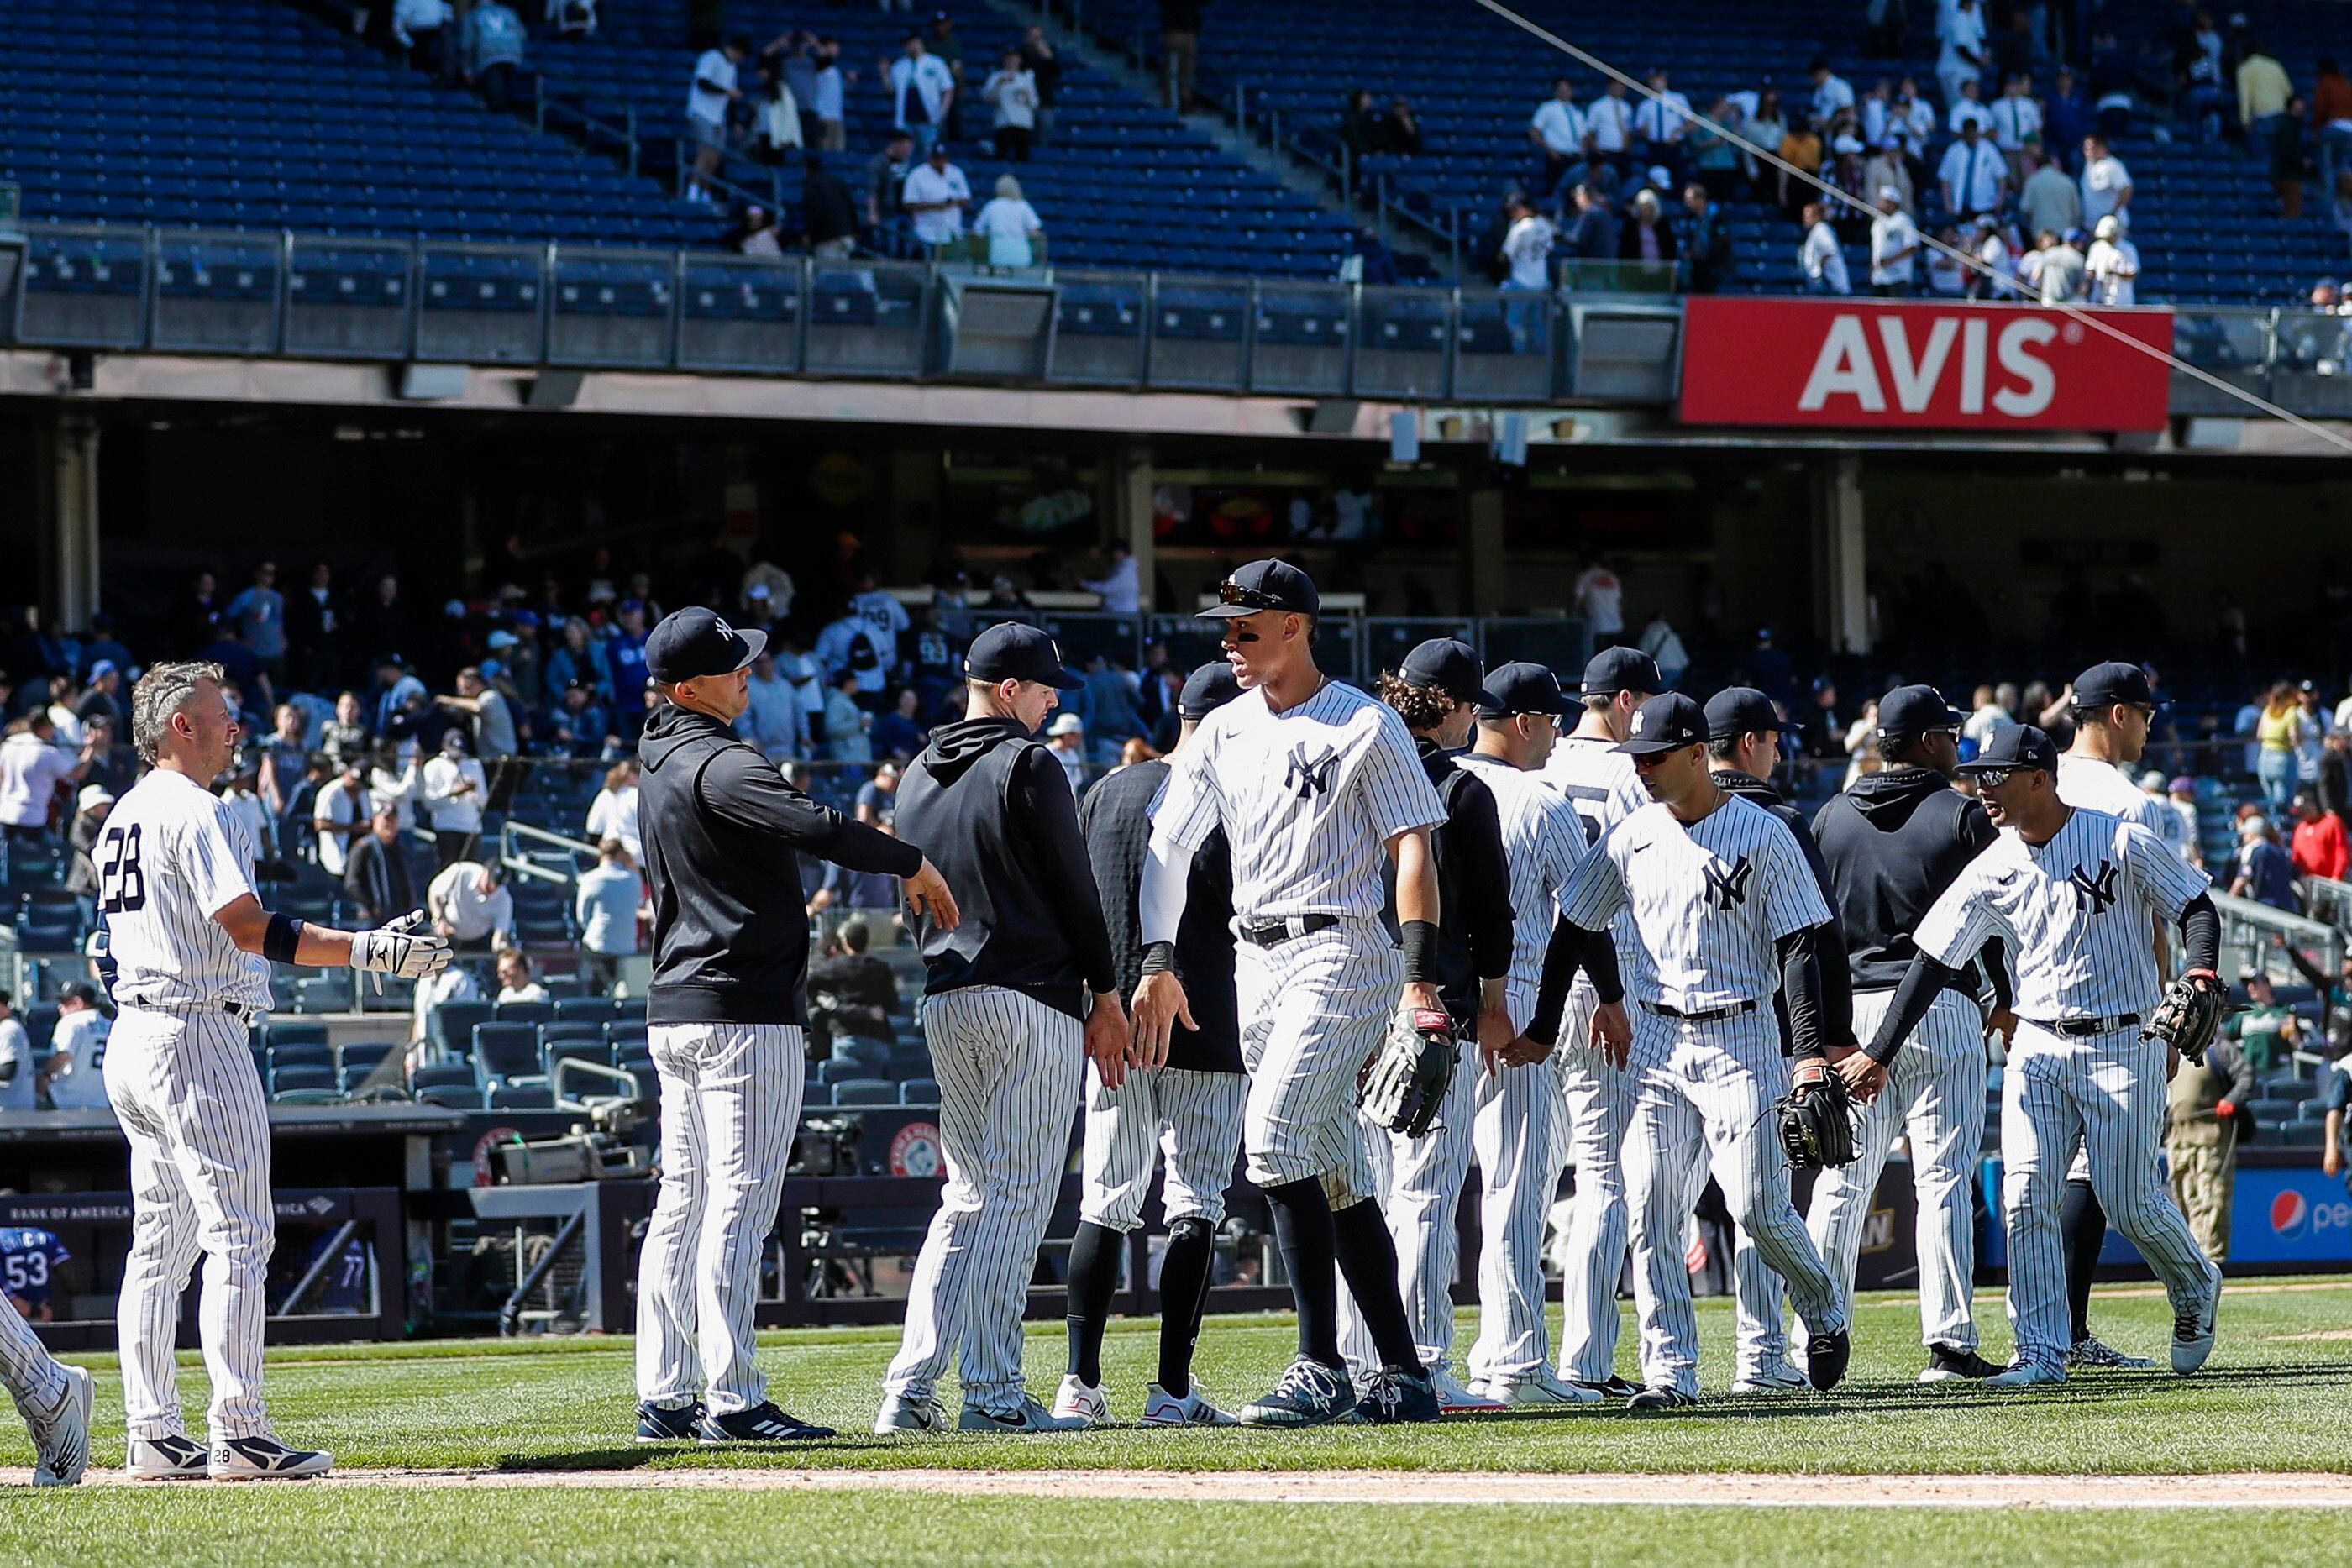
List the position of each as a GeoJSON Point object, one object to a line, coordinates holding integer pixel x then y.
{"type": "Point", "coordinates": [234, 1009]}
{"type": "Point", "coordinates": [1275, 933]}
{"type": "Point", "coordinates": [1730, 1010]}
{"type": "Point", "coordinates": [2080, 1028]}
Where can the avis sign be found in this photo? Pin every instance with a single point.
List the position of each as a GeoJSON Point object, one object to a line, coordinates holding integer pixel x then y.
{"type": "Point", "coordinates": [1921, 365]}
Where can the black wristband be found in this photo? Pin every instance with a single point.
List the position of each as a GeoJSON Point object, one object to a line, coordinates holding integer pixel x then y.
{"type": "Point", "coordinates": [280, 939]}
{"type": "Point", "coordinates": [1420, 952]}
{"type": "Point", "coordinates": [1159, 957]}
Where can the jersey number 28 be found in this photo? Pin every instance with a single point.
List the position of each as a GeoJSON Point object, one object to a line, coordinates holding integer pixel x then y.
{"type": "Point", "coordinates": [121, 886]}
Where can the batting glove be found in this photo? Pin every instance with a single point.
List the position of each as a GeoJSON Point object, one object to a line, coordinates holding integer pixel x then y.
{"type": "Point", "coordinates": [401, 948]}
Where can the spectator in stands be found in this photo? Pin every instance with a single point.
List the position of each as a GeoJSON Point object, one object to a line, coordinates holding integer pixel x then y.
{"type": "Point", "coordinates": [469, 903]}
{"type": "Point", "coordinates": [2199, 93]}
{"type": "Point", "coordinates": [2334, 786]}
{"type": "Point", "coordinates": [2047, 200]}
{"type": "Point", "coordinates": [380, 625]}
{"type": "Point", "coordinates": [1802, 150]}
{"type": "Point", "coordinates": [935, 195]}
{"type": "Point", "coordinates": [613, 814]}
{"type": "Point", "coordinates": [1593, 232]}
{"type": "Point", "coordinates": [516, 982]}
{"type": "Point", "coordinates": [102, 647]}
{"type": "Point", "coordinates": [605, 903]}
{"type": "Point", "coordinates": [1121, 583]}
{"type": "Point", "coordinates": [1963, 57]}
{"type": "Point", "coordinates": [901, 733]}
{"type": "Point", "coordinates": [18, 1090]}
{"type": "Point", "coordinates": [1893, 246]}
{"type": "Point", "coordinates": [315, 631]}
{"type": "Point", "coordinates": [2063, 268]}
{"type": "Point", "coordinates": [375, 876]}
{"type": "Point", "coordinates": [776, 133]}
{"type": "Point", "coordinates": [1704, 239]}
{"type": "Point", "coordinates": [1832, 92]}
{"type": "Point", "coordinates": [754, 235]}
{"type": "Point", "coordinates": [2331, 118]}
{"type": "Point", "coordinates": [2067, 116]}
{"type": "Point", "coordinates": [1973, 176]}
{"type": "Point", "coordinates": [2180, 794]}
{"type": "Point", "coordinates": [850, 991]}
{"type": "Point", "coordinates": [75, 1078]}
{"type": "Point", "coordinates": [772, 718]}
{"type": "Point", "coordinates": [1599, 596]}
{"type": "Point", "coordinates": [1766, 126]}
{"type": "Point", "coordinates": [91, 808]}
{"type": "Point", "coordinates": [625, 656]}
{"type": "Point", "coordinates": [870, 896]}
{"type": "Point", "coordinates": [1664, 646]}
{"type": "Point", "coordinates": [455, 792]}
{"type": "Point", "coordinates": [1401, 128]}
{"type": "Point", "coordinates": [922, 92]}
{"type": "Point", "coordinates": [575, 662]}
{"type": "Point", "coordinates": [1647, 235]}
{"type": "Point", "coordinates": [2287, 142]}
{"type": "Point", "coordinates": [1661, 123]}
{"type": "Point", "coordinates": [1180, 45]}
{"type": "Point", "coordinates": [32, 771]}
{"type": "Point", "coordinates": [707, 100]}
{"type": "Point", "coordinates": [1713, 155]}
{"type": "Point", "coordinates": [1011, 90]}
{"type": "Point", "coordinates": [2106, 183]}
{"type": "Point", "coordinates": [103, 697]}
{"type": "Point", "coordinates": [2263, 91]}
{"type": "Point", "coordinates": [1609, 130]}
{"type": "Point", "coordinates": [285, 758]}
{"type": "Point", "coordinates": [1819, 256]}
{"type": "Point", "coordinates": [1527, 250]}
{"type": "Point", "coordinates": [1969, 109]}
{"type": "Point", "coordinates": [2265, 1031]}
{"type": "Point", "coordinates": [2112, 264]}
{"type": "Point", "coordinates": [846, 737]}
{"type": "Point", "coordinates": [2016, 123]}
{"type": "Point", "coordinates": [340, 813]}
{"type": "Point", "coordinates": [1065, 741]}
{"type": "Point", "coordinates": [2278, 732]}
{"type": "Point", "coordinates": [1009, 223]}
{"type": "Point", "coordinates": [2318, 847]}
{"type": "Point", "coordinates": [489, 717]}
{"type": "Point", "coordinates": [1038, 53]}
{"type": "Point", "coordinates": [1911, 121]}
{"type": "Point", "coordinates": [196, 620]}
{"type": "Point", "coordinates": [259, 613]}
{"type": "Point", "coordinates": [877, 803]}
{"type": "Point", "coordinates": [496, 46]}
{"type": "Point", "coordinates": [2263, 872]}
{"type": "Point", "coordinates": [417, 26]}
{"type": "Point", "coordinates": [1885, 166]}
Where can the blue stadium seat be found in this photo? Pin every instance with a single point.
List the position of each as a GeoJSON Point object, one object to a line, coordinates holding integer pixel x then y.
{"type": "Point", "coordinates": [920, 1092]}
{"type": "Point", "coordinates": [506, 1051]}
{"type": "Point", "coordinates": [865, 1091]}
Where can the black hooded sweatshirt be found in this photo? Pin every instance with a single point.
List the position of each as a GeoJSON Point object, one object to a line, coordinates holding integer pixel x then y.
{"type": "Point", "coordinates": [991, 808]}
{"type": "Point", "coordinates": [721, 830]}
{"type": "Point", "coordinates": [1892, 843]}
{"type": "Point", "coordinates": [1837, 982]}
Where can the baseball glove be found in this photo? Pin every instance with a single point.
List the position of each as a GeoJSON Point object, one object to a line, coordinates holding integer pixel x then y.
{"type": "Point", "coordinates": [2189, 1015]}
{"type": "Point", "coordinates": [1402, 1084]}
{"type": "Point", "coordinates": [1816, 1124]}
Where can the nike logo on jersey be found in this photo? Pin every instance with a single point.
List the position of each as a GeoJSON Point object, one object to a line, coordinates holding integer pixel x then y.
{"type": "Point", "coordinates": [1728, 889]}
{"type": "Point", "coordinates": [2094, 891]}
{"type": "Point", "coordinates": [1309, 776]}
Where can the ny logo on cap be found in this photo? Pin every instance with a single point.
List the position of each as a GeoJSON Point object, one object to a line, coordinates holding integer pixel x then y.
{"type": "Point", "coordinates": [2094, 892]}
{"type": "Point", "coordinates": [1728, 889]}
{"type": "Point", "coordinates": [1307, 777]}
{"type": "Point", "coordinates": [720, 622]}
{"type": "Point", "coordinates": [1638, 717]}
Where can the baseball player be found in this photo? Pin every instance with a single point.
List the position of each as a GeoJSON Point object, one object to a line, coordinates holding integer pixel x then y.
{"type": "Point", "coordinates": [728, 1017]}
{"type": "Point", "coordinates": [2113, 705]}
{"type": "Point", "coordinates": [1318, 791]}
{"type": "Point", "coordinates": [1597, 1095]}
{"type": "Point", "coordinates": [1006, 1015]}
{"type": "Point", "coordinates": [2071, 893]}
{"type": "Point", "coordinates": [1519, 1120]}
{"type": "Point", "coordinates": [75, 1078]}
{"type": "Point", "coordinates": [29, 1256]}
{"type": "Point", "coordinates": [1186, 1114]}
{"type": "Point", "coordinates": [1894, 842]}
{"type": "Point", "coordinates": [1437, 691]}
{"type": "Point", "coordinates": [1743, 748]}
{"type": "Point", "coordinates": [53, 1398]}
{"type": "Point", "coordinates": [191, 948]}
{"type": "Point", "coordinates": [1725, 911]}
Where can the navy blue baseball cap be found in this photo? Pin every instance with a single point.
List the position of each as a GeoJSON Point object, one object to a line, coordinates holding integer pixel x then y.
{"type": "Point", "coordinates": [2105, 685]}
{"type": "Point", "coordinates": [1265, 585]}
{"type": "Point", "coordinates": [1615, 670]}
{"type": "Point", "coordinates": [1523, 687]}
{"type": "Point", "coordinates": [1449, 665]}
{"type": "Point", "coordinates": [1206, 690]}
{"type": "Point", "coordinates": [1667, 722]}
{"type": "Point", "coordinates": [694, 643]}
{"type": "Point", "coordinates": [2011, 746]}
{"type": "Point", "coordinates": [1917, 710]}
{"type": "Point", "coordinates": [1744, 710]}
{"type": "Point", "coordinates": [1013, 652]}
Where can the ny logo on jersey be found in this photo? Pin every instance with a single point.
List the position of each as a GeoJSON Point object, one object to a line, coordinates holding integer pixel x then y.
{"type": "Point", "coordinates": [2094, 892]}
{"type": "Point", "coordinates": [1728, 889]}
{"type": "Point", "coordinates": [1307, 777]}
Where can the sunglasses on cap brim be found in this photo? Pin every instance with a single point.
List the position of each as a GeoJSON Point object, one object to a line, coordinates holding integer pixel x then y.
{"type": "Point", "coordinates": [1232, 593]}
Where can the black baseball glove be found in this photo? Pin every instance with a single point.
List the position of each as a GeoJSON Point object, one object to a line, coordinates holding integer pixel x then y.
{"type": "Point", "coordinates": [1403, 1083]}
{"type": "Point", "coordinates": [2190, 1015]}
{"type": "Point", "coordinates": [1815, 1119]}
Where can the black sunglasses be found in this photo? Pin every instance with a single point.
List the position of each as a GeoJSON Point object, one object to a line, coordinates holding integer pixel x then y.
{"type": "Point", "coordinates": [1232, 593]}
{"type": "Point", "coordinates": [1994, 777]}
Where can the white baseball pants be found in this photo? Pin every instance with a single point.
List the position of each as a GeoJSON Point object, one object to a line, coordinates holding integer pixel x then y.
{"type": "Point", "coordinates": [1190, 1120]}
{"type": "Point", "coordinates": [730, 1102]}
{"type": "Point", "coordinates": [1419, 1182]}
{"type": "Point", "coordinates": [30, 1373]}
{"type": "Point", "coordinates": [1935, 1094]}
{"type": "Point", "coordinates": [1703, 1099]}
{"type": "Point", "coordinates": [2107, 1093]}
{"type": "Point", "coordinates": [1515, 1135]}
{"type": "Point", "coordinates": [1597, 1116]}
{"type": "Point", "coordinates": [1010, 1069]}
{"type": "Point", "coordinates": [183, 1087]}
{"type": "Point", "coordinates": [1313, 1010]}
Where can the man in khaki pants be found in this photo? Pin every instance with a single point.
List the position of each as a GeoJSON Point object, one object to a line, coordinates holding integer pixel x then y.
{"type": "Point", "coordinates": [2207, 1115]}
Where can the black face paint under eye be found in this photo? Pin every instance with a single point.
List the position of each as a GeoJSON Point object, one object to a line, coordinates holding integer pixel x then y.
{"type": "Point", "coordinates": [1244, 636]}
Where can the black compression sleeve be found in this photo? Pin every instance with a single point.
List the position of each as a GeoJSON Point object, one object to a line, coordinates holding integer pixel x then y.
{"type": "Point", "coordinates": [1913, 998]}
{"type": "Point", "coordinates": [2200, 925]}
{"type": "Point", "coordinates": [1800, 989]}
{"type": "Point", "coordinates": [1572, 947]}
{"type": "Point", "coordinates": [1993, 960]}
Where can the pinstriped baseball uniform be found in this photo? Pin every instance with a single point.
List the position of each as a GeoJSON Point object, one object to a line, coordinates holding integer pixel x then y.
{"type": "Point", "coordinates": [1308, 799]}
{"type": "Point", "coordinates": [1596, 1099]}
{"type": "Point", "coordinates": [1708, 901]}
{"type": "Point", "coordinates": [2078, 914]}
{"type": "Point", "coordinates": [181, 1082]}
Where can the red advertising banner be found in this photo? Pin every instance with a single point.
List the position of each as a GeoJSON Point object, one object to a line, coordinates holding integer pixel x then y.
{"type": "Point", "coordinates": [1920, 365]}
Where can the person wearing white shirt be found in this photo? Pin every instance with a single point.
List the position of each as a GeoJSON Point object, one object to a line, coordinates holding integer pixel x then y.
{"type": "Point", "coordinates": [340, 814]}
{"type": "Point", "coordinates": [613, 814]}
{"type": "Point", "coordinates": [1974, 176]}
{"type": "Point", "coordinates": [1893, 246]}
{"type": "Point", "coordinates": [1948, 274]}
{"type": "Point", "coordinates": [922, 90]}
{"type": "Point", "coordinates": [2106, 183]}
{"type": "Point", "coordinates": [1526, 251]}
{"type": "Point", "coordinates": [32, 771]}
{"type": "Point", "coordinates": [16, 1075]}
{"type": "Point", "coordinates": [1608, 124]}
{"type": "Point", "coordinates": [1998, 278]}
{"type": "Point", "coordinates": [1662, 121]}
{"type": "Point", "coordinates": [1877, 108]}
{"type": "Point", "coordinates": [1009, 222]}
{"type": "Point", "coordinates": [706, 112]}
{"type": "Point", "coordinates": [1820, 255]}
{"type": "Point", "coordinates": [1832, 92]}
{"type": "Point", "coordinates": [1962, 30]}
{"type": "Point", "coordinates": [1011, 90]}
{"type": "Point", "coordinates": [1968, 108]}
{"type": "Point", "coordinates": [832, 119]}
{"type": "Point", "coordinates": [1599, 595]}
{"type": "Point", "coordinates": [935, 197]}
{"type": "Point", "coordinates": [2016, 121]}
{"type": "Point", "coordinates": [1557, 132]}
{"type": "Point", "coordinates": [1122, 586]}
{"type": "Point", "coordinates": [1912, 120]}
{"type": "Point", "coordinates": [468, 904]}
{"type": "Point", "coordinates": [76, 1077]}
{"type": "Point", "coordinates": [605, 903]}
{"type": "Point", "coordinates": [2112, 264]}
{"type": "Point", "coordinates": [455, 791]}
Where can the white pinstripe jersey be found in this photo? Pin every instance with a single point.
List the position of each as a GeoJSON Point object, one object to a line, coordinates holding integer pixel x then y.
{"type": "Point", "coordinates": [1543, 840]}
{"type": "Point", "coordinates": [1308, 799]}
{"type": "Point", "coordinates": [173, 855]}
{"type": "Point", "coordinates": [2077, 914]}
{"type": "Point", "coordinates": [1708, 900]}
{"type": "Point", "coordinates": [2094, 786]}
{"type": "Point", "coordinates": [1596, 779]}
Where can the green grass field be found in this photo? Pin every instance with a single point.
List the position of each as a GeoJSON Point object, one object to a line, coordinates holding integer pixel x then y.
{"type": "Point", "coordinates": [2274, 1399]}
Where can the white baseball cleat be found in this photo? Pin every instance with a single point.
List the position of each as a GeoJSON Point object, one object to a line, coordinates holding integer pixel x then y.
{"type": "Point", "coordinates": [260, 1456]}
{"type": "Point", "coordinates": [1161, 1409]}
{"type": "Point", "coordinates": [173, 1456]}
{"type": "Point", "coordinates": [1537, 1389]}
{"type": "Point", "coordinates": [1080, 1401]}
{"type": "Point", "coordinates": [1771, 1380]}
{"type": "Point", "coordinates": [909, 1413]}
{"type": "Point", "coordinates": [2192, 1333]}
{"type": "Point", "coordinates": [1453, 1397]}
{"type": "Point", "coordinates": [61, 1434]}
{"type": "Point", "coordinates": [2026, 1374]}
{"type": "Point", "coordinates": [1026, 1417]}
